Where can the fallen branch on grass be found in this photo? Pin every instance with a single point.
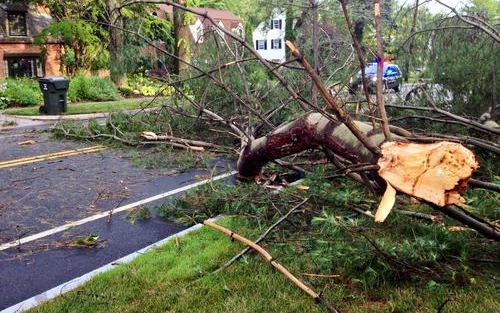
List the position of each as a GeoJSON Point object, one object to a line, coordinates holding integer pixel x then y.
{"type": "Point", "coordinates": [270, 259]}
{"type": "Point", "coordinates": [196, 145]}
{"type": "Point", "coordinates": [261, 237]}
{"type": "Point", "coordinates": [484, 185]}
{"type": "Point", "coordinates": [175, 142]}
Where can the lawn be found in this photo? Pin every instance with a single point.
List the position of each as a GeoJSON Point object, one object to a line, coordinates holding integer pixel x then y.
{"type": "Point", "coordinates": [436, 269]}
{"type": "Point", "coordinates": [94, 107]}
{"type": "Point", "coordinates": [177, 278]}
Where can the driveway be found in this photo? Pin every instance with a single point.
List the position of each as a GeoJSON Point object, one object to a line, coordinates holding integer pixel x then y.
{"type": "Point", "coordinates": [47, 185]}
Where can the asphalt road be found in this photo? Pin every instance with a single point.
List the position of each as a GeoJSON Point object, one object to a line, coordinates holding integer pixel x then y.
{"type": "Point", "coordinates": [39, 196]}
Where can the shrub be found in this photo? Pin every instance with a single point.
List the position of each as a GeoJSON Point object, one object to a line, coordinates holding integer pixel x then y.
{"type": "Point", "coordinates": [149, 87]}
{"type": "Point", "coordinates": [126, 91]}
{"type": "Point", "coordinates": [92, 88]}
{"type": "Point", "coordinates": [147, 91]}
{"type": "Point", "coordinates": [20, 91]}
{"type": "Point", "coordinates": [4, 102]}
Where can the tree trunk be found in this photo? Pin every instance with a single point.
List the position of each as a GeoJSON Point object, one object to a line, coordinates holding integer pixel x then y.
{"type": "Point", "coordinates": [380, 69]}
{"type": "Point", "coordinates": [116, 59]}
{"type": "Point", "coordinates": [315, 49]}
{"type": "Point", "coordinates": [309, 132]}
{"type": "Point", "coordinates": [410, 48]}
{"type": "Point", "coordinates": [182, 39]}
{"type": "Point", "coordinates": [359, 27]}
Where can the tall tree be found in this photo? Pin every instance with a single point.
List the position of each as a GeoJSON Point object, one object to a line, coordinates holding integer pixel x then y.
{"type": "Point", "coordinates": [181, 33]}
{"type": "Point", "coordinates": [412, 43]}
{"type": "Point", "coordinates": [116, 53]}
{"type": "Point", "coordinates": [315, 47]}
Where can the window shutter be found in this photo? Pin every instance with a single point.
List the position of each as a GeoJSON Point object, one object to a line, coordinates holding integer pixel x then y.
{"type": "Point", "coordinates": [265, 44]}
{"type": "Point", "coordinates": [280, 26]}
{"type": "Point", "coordinates": [272, 24]}
{"type": "Point", "coordinates": [279, 43]}
{"type": "Point", "coordinates": [256, 45]}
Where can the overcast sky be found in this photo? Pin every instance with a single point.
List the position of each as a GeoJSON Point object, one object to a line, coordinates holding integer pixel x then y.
{"type": "Point", "coordinates": [435, 7]}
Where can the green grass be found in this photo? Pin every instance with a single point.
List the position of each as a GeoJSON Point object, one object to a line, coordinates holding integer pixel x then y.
{"type": "Point", "coordinates": [177, 278]}
{"type": "Point", "coordinates": [94, 107]}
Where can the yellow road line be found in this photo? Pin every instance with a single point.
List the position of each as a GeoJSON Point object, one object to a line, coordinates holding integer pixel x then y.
{"type": "Point", "coordinates": [41, 156]}
{"type": "Point", "coordinates": [51, 156]}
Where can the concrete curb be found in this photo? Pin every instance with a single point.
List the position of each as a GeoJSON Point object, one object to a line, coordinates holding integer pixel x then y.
{"type": "Point", "coordinates": [72, 284]}
{"type": "Point", "coordinates": [77, 117]}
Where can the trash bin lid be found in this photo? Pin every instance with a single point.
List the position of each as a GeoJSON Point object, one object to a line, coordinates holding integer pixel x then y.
{"type": "Point", "coordinates": [51, 79]}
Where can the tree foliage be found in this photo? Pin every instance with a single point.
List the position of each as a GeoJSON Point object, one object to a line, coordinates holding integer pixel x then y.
{"type": "Point", "coordinates": [83, 44]}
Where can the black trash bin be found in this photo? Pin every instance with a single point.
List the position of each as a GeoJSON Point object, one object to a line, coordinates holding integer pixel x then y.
{"type": "Point", "coordinates": [54, 91]}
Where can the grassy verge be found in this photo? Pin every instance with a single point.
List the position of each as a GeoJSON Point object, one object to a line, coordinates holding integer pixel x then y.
{"type": "Point", "coordinates": [93, 107]}
{"type": "Point", "coordinates": [403, 265]}
{"type": "Point", "coordinates": [175, 278]}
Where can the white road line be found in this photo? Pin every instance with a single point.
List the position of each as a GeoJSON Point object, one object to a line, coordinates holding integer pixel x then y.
{"type": "Point", "coordinates": [61, 228]}
{"type": "Point", "coordinates": [74, 283]}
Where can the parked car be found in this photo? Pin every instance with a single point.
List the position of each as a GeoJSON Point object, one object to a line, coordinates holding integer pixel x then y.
{"type": "Point", "coordinates": [392, 78]}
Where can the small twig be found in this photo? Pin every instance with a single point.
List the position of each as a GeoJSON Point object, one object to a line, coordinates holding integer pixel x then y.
{"type": "Point", "coordinates": [111, 212]}
{"type": "Point", "coordinates": [441, 307]}
{"type": "Point", "coordinates": [484, 260]}
{"type": "Point", "coordinates": [424, 216]}
{"type": "Point", "coordinates": [484, 185]}
{"type": "Point", "coordinates": [291, 166]}
{"type": "Point", "coordinates": [261, 237]}
{"type": "Point", "coordinates": [359, 210]}
{"type": "Point", "coordinates": [320, 275]}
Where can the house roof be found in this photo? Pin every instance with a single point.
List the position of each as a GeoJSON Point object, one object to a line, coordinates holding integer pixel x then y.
{"type": "Point", "coordinates": [14, 6]}
{"type": "Point", "coordinates": [213, 13]}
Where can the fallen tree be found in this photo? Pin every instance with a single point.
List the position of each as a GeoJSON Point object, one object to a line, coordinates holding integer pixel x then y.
{"type": "Point", "coordinates": [355, 146]}
{"type": "Point", "coordinates": [433, 173]}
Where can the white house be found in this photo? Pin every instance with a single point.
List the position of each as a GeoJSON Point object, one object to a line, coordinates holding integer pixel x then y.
{"type": "Point", "coordinates": [269, 37]}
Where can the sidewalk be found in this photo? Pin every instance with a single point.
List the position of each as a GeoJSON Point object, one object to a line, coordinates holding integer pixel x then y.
{"type": "Point", "coordinates": [9, 122]}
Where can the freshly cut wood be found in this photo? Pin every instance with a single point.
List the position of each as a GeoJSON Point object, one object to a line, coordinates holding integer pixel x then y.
{"type": "Point", "coordinates": [386, 204]}
{"type": "Point", "coordinates": [432, 172]}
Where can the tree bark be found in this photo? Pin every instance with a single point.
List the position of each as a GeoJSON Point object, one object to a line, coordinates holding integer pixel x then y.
{"type": "Point", "coordinates": [359, 27]}
{"type": "Point", "coordinates": [182, 39]}
{"type": "Point", "coordinates": [116, 59]}
{"type": "Point", "coordinates": [410, 48]}
{"type": "Point", "coordinates": [380, 69]}
{"type": "Point", "coordinates": [309, 132]}
{"type": "Point", "coordinates": [315, 49]}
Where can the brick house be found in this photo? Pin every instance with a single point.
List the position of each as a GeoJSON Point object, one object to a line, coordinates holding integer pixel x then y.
{"type": "Point", "coordinates": [19, 24]}
{"type": "Point", "coordinates": [201, 27]}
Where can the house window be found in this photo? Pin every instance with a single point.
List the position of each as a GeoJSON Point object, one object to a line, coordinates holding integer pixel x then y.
{"type": "Point", "coordinates": [16, 22]}
{"type": "Point", "coordinates": [275, 44]}
{"type": "Point", "coordinates": [261, 44]}
{"type": "Point", "coordinates": [276, 24]}
{"type": "Point", "coordinates": [23, 66]}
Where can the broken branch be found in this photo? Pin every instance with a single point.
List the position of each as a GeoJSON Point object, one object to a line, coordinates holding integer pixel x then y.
{"type": "Point", "coordinates": [261, 237]}
{"type": "Point", "coordinates": [270, 259]}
